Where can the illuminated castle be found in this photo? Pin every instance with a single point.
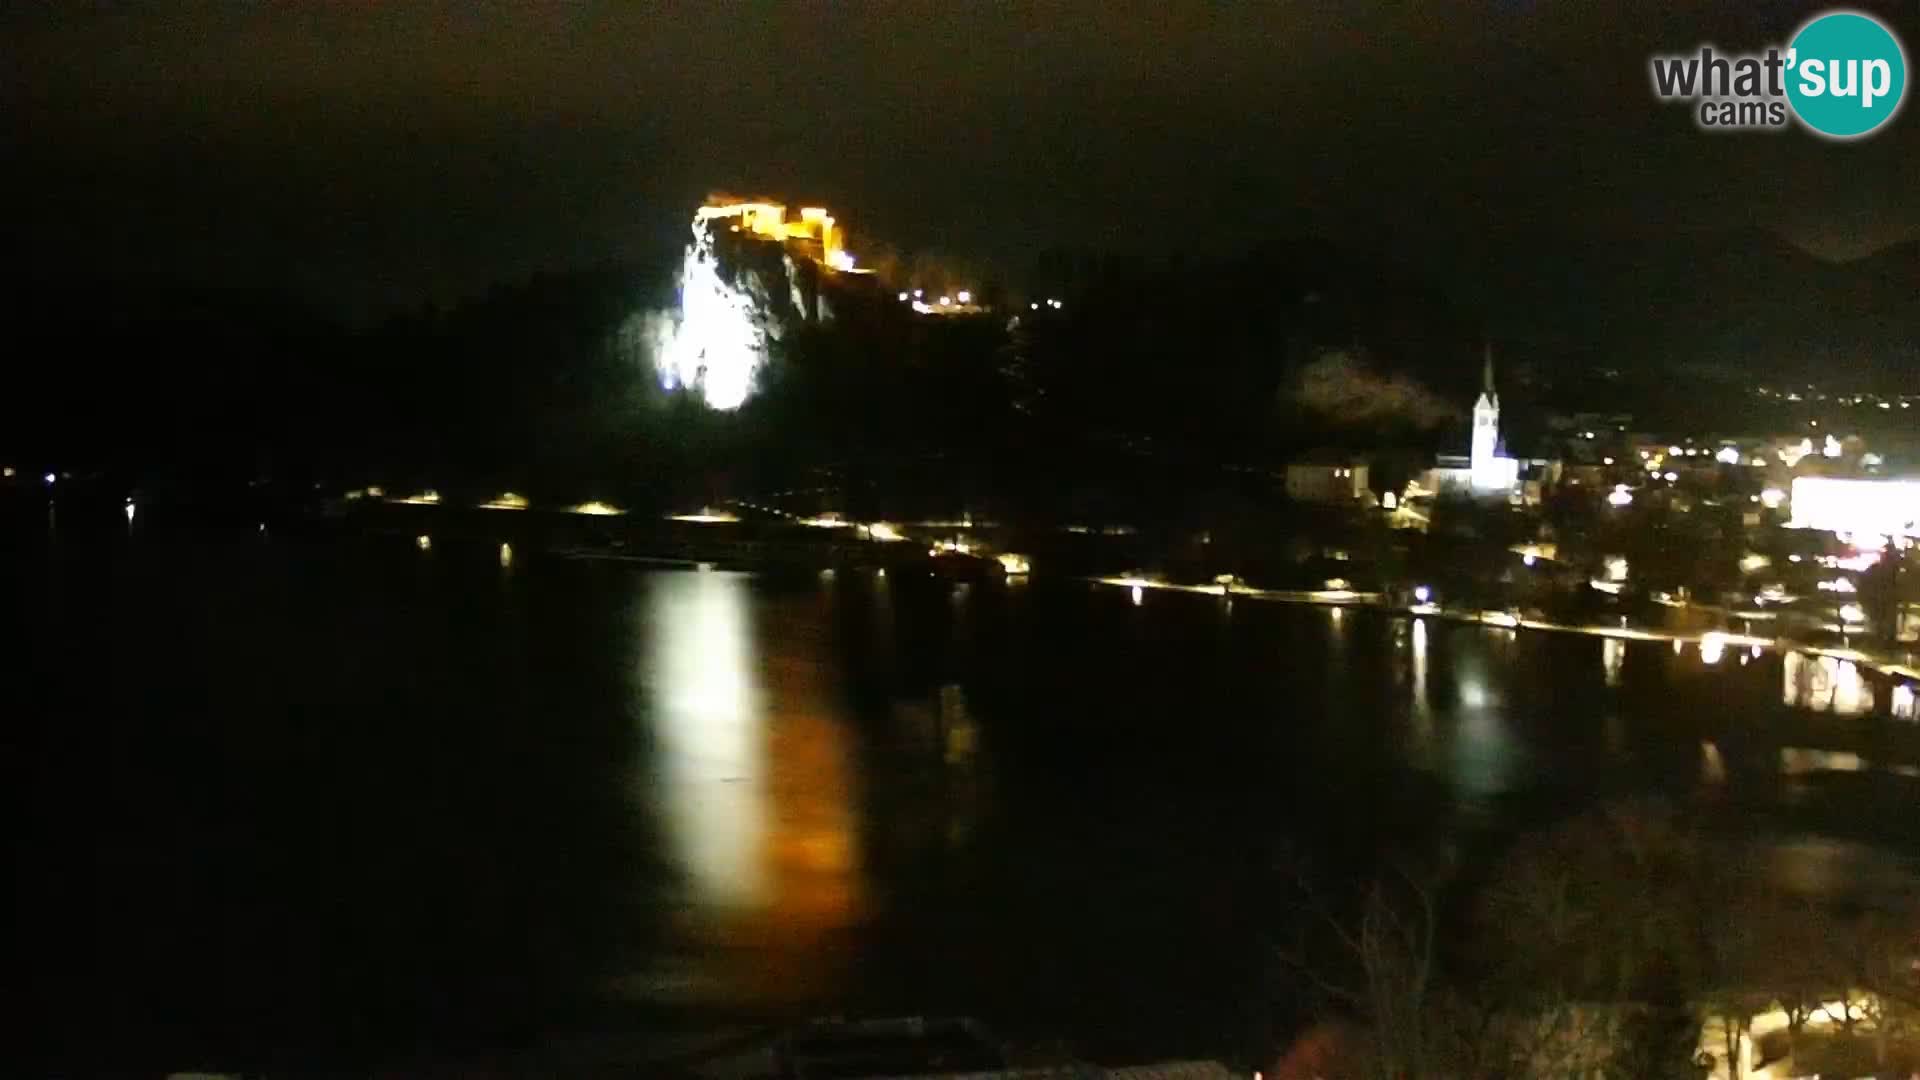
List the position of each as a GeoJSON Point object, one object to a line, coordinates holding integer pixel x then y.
{"type": "Point", "coordinates": [813, 232]}
{"type": "Point", "coordinates": [749, 273]}
{"type": "Point", "coordinates": [736, 297]}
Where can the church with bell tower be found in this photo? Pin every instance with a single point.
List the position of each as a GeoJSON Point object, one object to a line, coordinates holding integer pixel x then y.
{"type": "Point", "coordinates": [1486, 470]}
{"type": "Point", "coordinates": [1491, 472]}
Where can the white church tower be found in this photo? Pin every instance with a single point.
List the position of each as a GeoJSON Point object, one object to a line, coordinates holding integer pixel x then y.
{"type": "Point", "coordinates": [1490, 471]}
{"type": "Point", "coordinates": [1486, 421]}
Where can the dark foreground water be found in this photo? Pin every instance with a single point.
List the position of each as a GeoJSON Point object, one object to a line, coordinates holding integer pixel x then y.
{"type": "Point", "coordinates": [345, 800]}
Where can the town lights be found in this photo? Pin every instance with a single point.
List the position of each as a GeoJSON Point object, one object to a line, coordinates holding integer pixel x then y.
{"type": "Point", "coordinates": [965, 296]}
{"type": "Point", "coordinates": [1422, 594]}
{"type": "Point", "coordinates": [1712, 647]}
{"type": "Point", "coordinates": [1619, 496]}
{"type": "Point", "coordinates": [1873, 508]}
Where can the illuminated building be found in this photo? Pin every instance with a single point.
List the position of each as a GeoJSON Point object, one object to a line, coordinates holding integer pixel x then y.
{"type": "Point", "coordinates": [750, 270]}
{"type": "Point", "coordinates": [735, 296]}
{"type": "Point", "coordinates": [814, 233]}
{"type": "Point", "coordinates": [1825, 684]}
{"type": "Point", "coordinates": [1491, 471]}
{"type": "Point", "coordinates": [1485, 470]}
{"type": "Point", "coordinates": [1327, 478]}
{"type": "Point", "coordinates": [1875, 507]}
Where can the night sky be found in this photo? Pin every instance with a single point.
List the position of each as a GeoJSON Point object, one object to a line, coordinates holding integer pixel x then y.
{"type": "Point", "coordinates": [365, 155]}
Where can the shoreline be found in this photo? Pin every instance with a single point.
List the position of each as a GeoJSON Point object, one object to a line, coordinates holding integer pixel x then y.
{"type": "Point", "coordinates": [1901, 667]}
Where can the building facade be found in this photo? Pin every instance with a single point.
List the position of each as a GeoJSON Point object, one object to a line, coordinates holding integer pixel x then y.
{"type": "Point", "coordinates": [1338, 482]}
{"type": "Point", "coordinates": [1485, 471]}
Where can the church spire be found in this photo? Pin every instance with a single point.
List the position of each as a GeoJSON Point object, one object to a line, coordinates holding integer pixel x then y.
{"type": "Point", "coordinates": [1486, 375]}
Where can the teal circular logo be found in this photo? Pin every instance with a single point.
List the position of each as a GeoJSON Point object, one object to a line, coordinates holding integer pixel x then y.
{"type": "Point", "coordinates": [1846, 74]}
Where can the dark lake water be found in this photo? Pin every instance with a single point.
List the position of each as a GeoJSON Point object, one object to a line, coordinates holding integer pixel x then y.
{"type": "Point", "coordinates": [347, 800]}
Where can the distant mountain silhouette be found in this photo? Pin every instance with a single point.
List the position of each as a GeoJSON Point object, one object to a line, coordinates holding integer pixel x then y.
{"type": "Point", "coordinates": [1747, 307]}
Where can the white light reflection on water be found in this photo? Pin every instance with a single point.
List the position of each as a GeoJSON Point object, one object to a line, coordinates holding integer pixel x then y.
{"type": "Point", "coordinates": [1336, 635]}
{"type": "Point", "coordinates": [1613, 657]}
{"type": "Point", "coordinates": [1422, 749]}
{"type": "Point", "coordinates": [1457, 727]}
{"type": "Point", "coordinates": [1422, 708]}
{"type": "Point", "coordinates": [1801, 760]}
{"type": "Point", "coordinates": [752, 778]}
{"type": "Point", "coordinates": [1712, 648]}
{"type": "Point", "coordinates": [1485, 754]}
{"type": "Point", "coordinates": [1713, 767]}
{"type": "Point", "coordinates": [711, 733]}
{"type": "Point", "coordinates": [1825, 684]}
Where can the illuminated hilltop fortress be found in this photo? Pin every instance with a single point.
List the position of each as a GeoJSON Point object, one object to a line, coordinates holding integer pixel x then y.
{"type": "Point", "coordinates": [749, 272]}
{"type": "Point", "coordinates": [813, 232]}
{"type": "Point", "coordinates": [738, 292]}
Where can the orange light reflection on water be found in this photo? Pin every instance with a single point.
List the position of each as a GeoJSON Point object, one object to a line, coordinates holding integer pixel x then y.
{"type": "Point", "coordinates": [753, 782]}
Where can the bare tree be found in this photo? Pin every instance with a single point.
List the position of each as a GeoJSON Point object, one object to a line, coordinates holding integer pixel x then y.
{"type": "Point", "coordinates": [1382, 977]}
